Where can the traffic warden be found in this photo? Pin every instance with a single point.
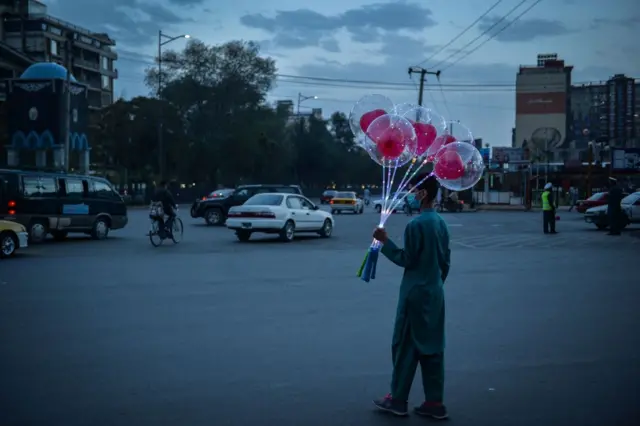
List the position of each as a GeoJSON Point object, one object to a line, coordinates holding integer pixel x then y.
{"type": "Point", "coordinates": [548, 210]}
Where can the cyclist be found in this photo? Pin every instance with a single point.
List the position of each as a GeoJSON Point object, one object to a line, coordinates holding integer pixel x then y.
{"type": "Point", "coordinates": [169, 205]}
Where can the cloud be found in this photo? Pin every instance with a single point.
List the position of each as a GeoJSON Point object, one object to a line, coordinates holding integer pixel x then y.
{"type": "Point", "coordinates": [366, 24]}
{"type": "Point", "coordinates": [130, 22]}
{"type": "Point", "coordinates": [187, 3]}
{"type": "Point", "coordinates": [627, 22]}
{"type": "Point", "coordinates": [522, 29]}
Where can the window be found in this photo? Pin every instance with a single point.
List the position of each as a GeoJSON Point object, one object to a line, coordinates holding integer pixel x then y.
{"type": "Point", "coordinates": [106, 83]}
{"type": "Point", "coordinates": [36, 187]}
{"type": "Point", "coordinates": [264, 200]}
{"type": "Point", "coordinates": [306, 204]}
{"type": "Point", "coordinates": [74, 188]}
{"type": "Point", "coordinates": [103, 190]}
{"type": "Point", "coordinates": [243, 193]}
{"type": "Point", "coordinates": [53, 47]}
{"type": "Point", "coordinates": [105, 63]}
{"type": "Point", "coordinates": [294, 203]}
{"type": "Point", "coordinates": [286, 190]}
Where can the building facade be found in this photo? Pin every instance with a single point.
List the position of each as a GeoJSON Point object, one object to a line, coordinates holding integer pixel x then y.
{"type": "Point", "coordinates": [543, 109]}
{"type": "Point", "coordinates": [26, 27]}
{"type": "Point", "coordinates": [607, 112]}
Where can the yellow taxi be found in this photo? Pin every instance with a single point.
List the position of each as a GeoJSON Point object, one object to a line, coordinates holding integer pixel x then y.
{"type": "Point", "coordinates": [13, 236]}
{"type": "Point", "coordinates": [346, 202]}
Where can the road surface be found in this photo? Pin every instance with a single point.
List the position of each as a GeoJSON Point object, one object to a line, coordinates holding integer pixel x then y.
{"type": "Point", "coordinates": [542, 330]}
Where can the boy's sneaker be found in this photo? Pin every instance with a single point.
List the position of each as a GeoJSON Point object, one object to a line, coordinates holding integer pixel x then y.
{"type": "Point", "coordinates": [393, 406]}
{"type": "Point", "coordinates": [434, 411]}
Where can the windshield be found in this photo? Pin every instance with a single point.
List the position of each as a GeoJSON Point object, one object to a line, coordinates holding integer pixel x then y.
{"type": "Point", "coordinates": [345, 195]}
{"type": "Point", "coordinates": [630, 199]}
{"type": "Point", "coordinates": [221, 193]}
{"type": "Point", "coordinates": [328, 192]}
{"type": "Point", "coordinates": [596, 197]}
{"type": "Point", "coordinates": [264, 200]}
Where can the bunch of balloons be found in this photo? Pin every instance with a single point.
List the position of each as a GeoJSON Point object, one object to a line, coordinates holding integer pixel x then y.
{"type": "Point", "coordinates": [414, 136]}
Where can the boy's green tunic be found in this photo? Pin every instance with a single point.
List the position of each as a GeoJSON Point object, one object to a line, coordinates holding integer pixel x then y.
{"type": "Point", "coordinates": [419, 327]}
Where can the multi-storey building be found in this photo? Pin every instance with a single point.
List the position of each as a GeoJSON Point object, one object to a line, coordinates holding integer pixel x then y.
{"type": "Point", "coordinates": [607, 112]}
{"type": "Point", "coordinates": [26, 27]}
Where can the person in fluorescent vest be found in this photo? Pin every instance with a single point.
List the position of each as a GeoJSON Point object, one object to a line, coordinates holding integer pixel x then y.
{"type": "Point", "coordinates": [548, 210]}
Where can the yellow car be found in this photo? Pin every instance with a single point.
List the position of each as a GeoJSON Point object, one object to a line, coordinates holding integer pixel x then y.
{"type": "Point", "coordinates": [13, 236]}
{"type": "Point", "coordinates": [346, 202]}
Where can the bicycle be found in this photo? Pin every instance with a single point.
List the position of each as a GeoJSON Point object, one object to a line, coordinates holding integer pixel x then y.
{"type": "Point", "coordinates": [156, 235]}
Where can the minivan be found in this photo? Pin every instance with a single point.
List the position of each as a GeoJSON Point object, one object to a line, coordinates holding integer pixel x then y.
{"type": "Point", "coordinates": [58, 203]}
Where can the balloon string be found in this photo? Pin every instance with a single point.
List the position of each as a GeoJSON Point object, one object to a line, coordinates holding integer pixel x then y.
{"type": "Point", "coordinates": [404, 181]}
{"type": "Point", "coordinates": [383, 186]}
{"type": "Point", "coordinates": [416, 185]}
{"type": "Point", "coordinates": [390, 182]}
{"type": "Point", "coordinates": [394, 201]}
{"type": "Point", "coordinates": [385, 199]}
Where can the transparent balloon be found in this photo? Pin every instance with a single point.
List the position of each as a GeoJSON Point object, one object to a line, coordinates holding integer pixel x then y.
{"type": "Point", "coordinates": [427, 123]}
{"type": "Point", "coordinates": [459, 131]}
{"type": "Point", "coordinates": [458, 166]}
{"type": "Point", "coordinates": [366, 110]}
{"type": "Point", "coordinates": [391, 140]}
{"type": "Point", "coordinates": [402, 109]}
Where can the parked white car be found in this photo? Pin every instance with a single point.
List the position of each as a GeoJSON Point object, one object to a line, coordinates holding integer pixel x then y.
{"type": "Point", "coordinates": [282, 214]}
{"type": "Point", "coordinates": [630, 208]}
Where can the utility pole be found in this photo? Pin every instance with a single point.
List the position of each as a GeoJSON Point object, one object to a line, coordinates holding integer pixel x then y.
{"type": "Point", "coordinates": [67, 111]}
{"type": "Point", "coordinates": [423, 74]}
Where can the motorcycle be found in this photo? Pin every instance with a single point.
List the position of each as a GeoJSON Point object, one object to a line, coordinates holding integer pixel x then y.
{"type": "Point", "coordinates": [450, 206]}
{"type": "Point", "coordinates": [158, 234]}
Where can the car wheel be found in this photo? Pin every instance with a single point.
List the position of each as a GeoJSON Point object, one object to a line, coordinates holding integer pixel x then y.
{"type": "Point", "coordinates": [100, 229]}
{"type": "Point", "coordinates": [214, 217]}
{"type": "Point", "coordinates": [38, 231]}
{"type": "Point", "coordinates": [8, 244]}
{"type": "Point", "coordinates": [378, 208]}
{"type": "Point", "coordinates": [288, 232]}
{"type": "Point", "coordinates": [243, 236]}
{"type": "Point", "coordinates": [327, 229]}
{"type": "Point", "coordinates": [59, 235]}
{"type": "Point", "coordinates": [601, 226]}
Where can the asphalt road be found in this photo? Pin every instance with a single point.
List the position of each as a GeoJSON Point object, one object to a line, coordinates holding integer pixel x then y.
{"type": "Point", "coordinates": [542, 330]}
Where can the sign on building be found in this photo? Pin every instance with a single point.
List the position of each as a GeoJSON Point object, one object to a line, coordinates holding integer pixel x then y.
{"type": "Point", "coordinates": [508, 155]}
{"type": "Point", "coordinates": [626, 159]}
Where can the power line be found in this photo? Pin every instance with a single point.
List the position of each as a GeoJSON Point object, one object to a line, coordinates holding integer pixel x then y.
{"type": "Point", "coordinates": [494, 35]}
{"type": "Point", "coordinates": [485, 32]}
{"type": "Point", "coordinates": [463, 32]}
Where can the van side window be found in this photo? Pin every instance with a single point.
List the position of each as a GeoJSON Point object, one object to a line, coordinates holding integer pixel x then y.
{"type": "Point", "coordinates": [74, 188]}
{"type": "Point", "coordinates": [102, 190]}
{"type": "Point", "coordinates": [37, 186]}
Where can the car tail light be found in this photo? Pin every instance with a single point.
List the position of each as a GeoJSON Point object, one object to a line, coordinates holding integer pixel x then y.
{"type": "Point", "coordinates": [353, 201]}
{"type": "Point", "coordinates": [331, 202]}
{"type": "Point", "coordinates": [267, 214]}
{"type": "Point", "coordinates": [263, 214]}
{"type": "Point", "coordinates": [11, 204]}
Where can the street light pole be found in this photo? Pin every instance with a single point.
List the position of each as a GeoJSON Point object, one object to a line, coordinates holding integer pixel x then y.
{"type": "Point", "coordinates": [301, 99]}
{"type": "Point", "coordinates": [162, 40]}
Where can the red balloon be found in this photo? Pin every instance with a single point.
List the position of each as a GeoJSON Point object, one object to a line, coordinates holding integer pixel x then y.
{"type": "Point", "coordinates": [449, 165]}
{"type": "Point", "coordinates": [426, 134]}
{"type": "Point", "coordinates": [438, 143]}
{"type": "Point", "coordinates": [391, 142]}
{"type": "Point", "coordinates": [367, 118]}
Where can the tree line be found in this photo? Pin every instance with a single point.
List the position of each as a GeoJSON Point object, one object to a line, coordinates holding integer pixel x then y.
{"type": "Point", "coordinates": [218, 129]}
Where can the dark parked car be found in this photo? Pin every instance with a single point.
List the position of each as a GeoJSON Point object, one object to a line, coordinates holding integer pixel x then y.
{"type": "Point", "coordinates": [214, 210]}
{"type": "Point", "coordinates": [327, 196]}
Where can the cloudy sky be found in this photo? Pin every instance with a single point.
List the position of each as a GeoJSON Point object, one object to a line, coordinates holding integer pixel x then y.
{"type": "Point", "coordinates": [342, 50]}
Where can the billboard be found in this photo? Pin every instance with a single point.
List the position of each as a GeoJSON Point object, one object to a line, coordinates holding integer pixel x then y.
{"type": "Point", "coordinates": [541, 109]}
{"type": "Point", "coordinates": [626, 159]}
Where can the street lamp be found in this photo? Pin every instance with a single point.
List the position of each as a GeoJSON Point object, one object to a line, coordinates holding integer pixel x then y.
{"type": "Point", "coordinates": [302, 98]}
{"type": "Point", "coordinates": [162, 40]}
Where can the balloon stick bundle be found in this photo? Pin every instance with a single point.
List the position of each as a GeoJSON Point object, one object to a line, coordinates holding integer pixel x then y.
{"type": "Point", "coordinates": [411, 137]}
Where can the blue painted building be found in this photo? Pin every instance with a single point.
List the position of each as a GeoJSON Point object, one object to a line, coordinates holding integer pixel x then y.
{"type": "Point", "coordinates": [37, 114]}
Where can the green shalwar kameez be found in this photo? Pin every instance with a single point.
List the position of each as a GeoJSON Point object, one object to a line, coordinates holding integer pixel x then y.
{"type": "Point", "coordinates": [418, 335]}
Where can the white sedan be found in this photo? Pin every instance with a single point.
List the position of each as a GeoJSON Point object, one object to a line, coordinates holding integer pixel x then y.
{"type": "Point", "coordinates": [282, 214]}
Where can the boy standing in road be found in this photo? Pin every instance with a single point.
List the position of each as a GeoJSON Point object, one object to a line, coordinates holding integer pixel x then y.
{"type": "Point", "coordinates": [418, 335]}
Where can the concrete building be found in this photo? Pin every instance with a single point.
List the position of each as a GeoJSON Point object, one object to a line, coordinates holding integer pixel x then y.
{"type": "Point", "coordinates": [26, 27]}
{"type": "Point", "coordinates": [607, 111]}
{"type": "Point", "coordinates": [543, 109]}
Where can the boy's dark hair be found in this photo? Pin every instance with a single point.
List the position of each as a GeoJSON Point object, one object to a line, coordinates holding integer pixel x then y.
{"type": "Point", "coordinates": [430, 185]}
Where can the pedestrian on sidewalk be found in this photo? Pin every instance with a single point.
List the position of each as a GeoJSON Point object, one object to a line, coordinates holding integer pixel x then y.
{"type": "Point", "coordinates": [548, 210]}
{"type": "Point", "coordinates": [418, 336]}
{"type": "Point", "coordinates": [573, 193]}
